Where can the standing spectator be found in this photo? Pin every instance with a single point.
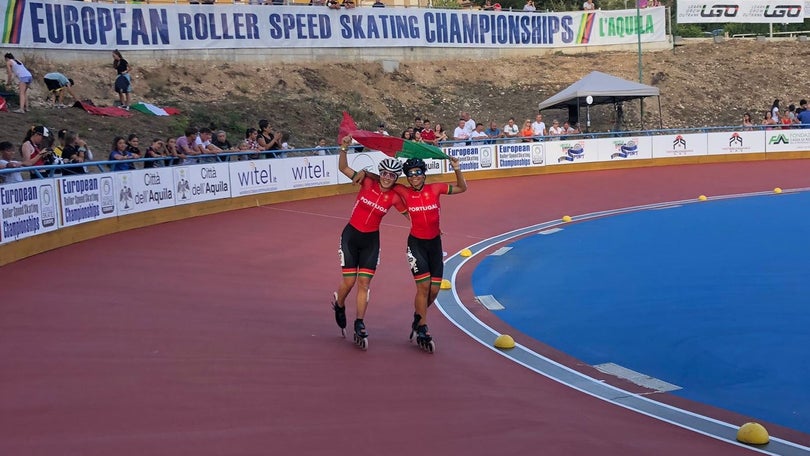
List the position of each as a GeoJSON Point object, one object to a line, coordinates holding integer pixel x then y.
{"type": "Point", "coordinates": [768, 121]}
{"type": "Point", "coordinates": [205, 146]}
{"type": "Point", "coordinates": [460, 133]}
{"type": "Point", "coordinates": [802, 106]}
{"type": "Point", "coordinates": [469, 124]}
{"type": "Point", "coordinates": [418, 125]}
{"type": "Point", "coordinates": [428, 135]}
{"type": "Point", "coordinates": [321, 148]}
{"type": "Point", "coordinates": [381, 129]}
{"type": "Point", "coordinates": [30, 150]}
{"type": "Point", "coordinates": [251, 143]}
{"type": "Point", "coordinates": [775, 111]}
{"type": "Point", "coordinates": [16, 68]}
{"type": "Point", "coordinates": [123, 81]}
{"type": "Point", "coordinates": [268, 140]}
{"type": "Point", "coordinates": [487, 6]}
{"type": "Point", "coordinates": [74, 152]}
{"type": "Point", "coordinates": [57, 84]}
{"type": "Point", "coordinates": [539, 127]}
{"type": "Point", "coordinates": [569, 130]}
{"type": "Point", "coordinates": [171, 152]}
{"type": "Point", "coordinates": [155, 150]}
{"type": "Point", "coordinates": [556, 129]}
{"type": "Point", "coordinates": [378, 4]}
{"type": "Point", "coordinates": [7, 161]}
{"type": "Point", "coordinates": [133, 145]}
{"type": "Point", "coordinates": [220, 140]}
{"type": "Point", "coordinates": [588, 5]}
{"type": "Point", "coordinates": [511, 130]}
{"type": "Point", "coordinates": [529, 6]}
{"type": "Point", "coordinates": [120, 151]}
{"type": "Point", "coordinates": [804, 116]}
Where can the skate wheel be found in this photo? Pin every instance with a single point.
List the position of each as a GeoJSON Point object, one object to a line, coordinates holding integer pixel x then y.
{"type": "Point", "coordinates": [363, 343]}
{"type": "Point", "coordinates": [431, 347]}
{"type": "Point", "coordinates": [343, 332]}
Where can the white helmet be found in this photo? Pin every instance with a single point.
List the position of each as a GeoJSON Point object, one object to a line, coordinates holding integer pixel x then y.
{"type": "Point", "coordinates": [390, 164]}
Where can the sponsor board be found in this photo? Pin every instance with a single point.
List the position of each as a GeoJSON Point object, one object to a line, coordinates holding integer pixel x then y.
{"type": "Point", "coordinates": [470, 158]}
{"type": "Point", "coordinates": [736, 142]}
{"type": "Point", "coordinates": [748, 11]}
{"type": "Point", "coordinates": [303, 172]}
{"type": "Point", "coordinates": [571, 151]}
{"type": "Point", "coordinates": [86, 198]}
{"type": "Point", "coordinates": [685, 145]}
{"type": "Point", "coordinates": [790, 140]}
{"type": "Point", "coordinates": [143, 190]}
{"type": "Point", "coordinates": [255, 176]}
{"type": "Point", "coordinates": [196, 183]}
{"type": "Point", "coordinates": [27, 209]}
{"type": "Point", "coordinates": [520, 155]}
{"type": "Point", "coordinates": [625, 148]}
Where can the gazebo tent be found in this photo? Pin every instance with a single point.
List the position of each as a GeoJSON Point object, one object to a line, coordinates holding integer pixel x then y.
{"type": "Point", "coordinates": [604, 88]}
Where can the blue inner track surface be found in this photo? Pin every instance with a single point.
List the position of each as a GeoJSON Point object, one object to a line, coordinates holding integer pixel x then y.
{"type": "Point", "coordinates": [713, 297]}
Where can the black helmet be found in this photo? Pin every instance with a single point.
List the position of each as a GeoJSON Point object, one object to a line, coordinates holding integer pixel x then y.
{"type": "Point", "coordinates": [414, 163]}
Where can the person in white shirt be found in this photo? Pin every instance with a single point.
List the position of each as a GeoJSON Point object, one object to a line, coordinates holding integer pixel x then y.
{"type": "Point", "coordinates": [469, 124]}
{"type": "Point", "coordinates": [511, 130]}
{"type": "Point", "coordinates": [555, 129]}
{"type": "Point", "coordinates": [539, 127]}
{"type": "Point", "coordinates": [6, 161]}
{"type": "Point", "coordinates": [460, 133]}
{"type": "Point", "coordinates": [381, 129]}
{"type": "Point", "coordinates": [478, 134]}
{"type": "Point", "coordinates": [588, 5]}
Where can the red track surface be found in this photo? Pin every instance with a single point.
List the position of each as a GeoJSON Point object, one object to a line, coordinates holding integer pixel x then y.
{"type": "Point", "coordinates": [214, 336]}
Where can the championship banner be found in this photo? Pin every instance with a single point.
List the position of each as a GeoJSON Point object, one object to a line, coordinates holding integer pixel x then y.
{"type": "Point", "coordinates": [627, 148]}
{"type": "Point", "coordinates": [86, 198]}
{"type": "Point", "coordinates": [736, 142]}
{"type": "Point", "coordinates": [668, 146]}
{"type": "Point", "coordinates": [520, 155]}
{"type": "Point", "coordinates": [470, 158]}
{"type": "Point", "coordinates": [27, 209]}
{"type": "Point", "coordinates": [143, 190]}
{"type": "Point", "coordinates": [196, 183]}
{"type": "Point", "coordinates": [748, 11]}
{"type": "Point", "coordinates": [54, 24]}
{"type": "Point", "coordinates": [794, 139]}
{"type": "Point", "coordinates": [571, 151]}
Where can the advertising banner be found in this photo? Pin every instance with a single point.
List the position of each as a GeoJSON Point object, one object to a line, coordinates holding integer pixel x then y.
{"type": "Point", "coordinates": [255, 176]}
{"type": "Point", "coordinates": [27, 209]}
{"type": "Point", "coordinates": [86, 198]}
{"type": "Point", "coordinates": [55, 24]}
{"type": "Point", "coordinates": [470, 158]}
{"type": "Point", "coordinates": [196, 183]}
{"type": "Point", "coordinates": [571, 151]}
{"type": "Point", "coordinates": [736, 142]}
{"type": "Point", "coordinates": [787, 140]}
{"type": "Point", "coordinates": [668, 146]}
{"type": "Point", "coordinates": [626, 148]}
{"type": "Point", "coordinates": [748, 11]}
{"type": "Point", "coordinates": [303, 172]}
{"type": "Point", "coordinates": [520, 155]}
{"type": "Point", "coordinates": [143, 190]}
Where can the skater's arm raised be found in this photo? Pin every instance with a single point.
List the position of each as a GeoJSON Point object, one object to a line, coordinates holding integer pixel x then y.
{"type": "Point", "coordinates": [461, 183]}
{"type": "Point", "coordinates": [343, 162]}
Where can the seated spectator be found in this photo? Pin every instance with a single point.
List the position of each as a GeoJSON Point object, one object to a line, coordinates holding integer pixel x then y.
{"type": "Point", "coordinates": [493, 132]}
{"type": "Point", "coordinates": [285, 144]}
{"type": "Point", "coordinates": [155, 150]}
{"type": "Point", "coordinates": [348, 4]}
{"type": "Point", "coordinates": [428, 135]}
{"type": "Point", "coordinates": [74, 152]}
{"type": "Point", "coordinates": [487, 6]}
{"type": "Point", "coordinates": [526, 132]}
{"type": "Point", "coordinates": [120, 151]}
{"type": "Point", "coordinates": [441, 135]}
{"type": "Point", "coordinates": [804, 116]}
{"type": "Point", "coordinates": [381, 129]}
{"type": "Point", "coordinates": [460, 133]}
{"type": "Point", "coordinates": [220, 140]}
{"type": "Point", "coordinates": [203, 143]}
{"type": "Point", "coordinates": [417, 136]}
{"type": "Point", "coordinates": [378, 4]}
{"type": "Point", "coordinates": [250, 143]}
{"type": "Point", "coordinates": [321, 148]}
{"type": "Point", "coordinates": [57, 84]}
{"type": "Point", "coordinates": [316, 2]}
{"type": "Point", "coordinates": [496, 7]}
{"type": "Point", "coordinates": [332, 4]}
{"type": "Point", "coordinates": [34, 148]}
{"type": "Point", "coordinates": [133, 145]}
{"type": "Point", "coordinates": [529, 6]}
{"type": "Point", "coordinates": [478, 134]}
{"type": "Point", "coordinates": [511, 130]}
{"type": "Point", "coordinates": [171, 152]}
{"type": "Point", "coordinates": [7, 162]}
{"type": "Point", "coordinates": [407, 135]}
{"type": "Point", "coordinates": [187, 148]}
{"type": "Point", "coordinates": [555, 129]}
{"type": "Point", "coordinates": [569, 130]}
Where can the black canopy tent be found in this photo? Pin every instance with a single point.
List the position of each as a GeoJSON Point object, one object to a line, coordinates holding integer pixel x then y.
{"type": "Point", "coordinates": [604, 89]}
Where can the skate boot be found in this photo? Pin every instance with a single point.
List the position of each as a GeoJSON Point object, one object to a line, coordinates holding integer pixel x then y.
{"type": "Point", "coordinates": [414, 325]}
{"type": "Point", "coordinates": [340, 314]}
{"type": "Point", "coordinates": [360, 334]}
{"type": "Point", "coordinates": [424, 340]}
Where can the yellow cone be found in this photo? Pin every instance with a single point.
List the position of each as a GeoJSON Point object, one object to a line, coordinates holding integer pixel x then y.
{"type": "Point", "coordinates": [702, 198]}
{"type": "Point", "coordinates": [466, 252]}
{"type": "Point", "coordinates": [753, 433]}
{"type": "Point", "coordinates": [504, 341]}
{"type": "Point", "coordinates": [446, 285]}
{"type": "Point", "coordinates": [566, 218]}
{"type": "Point", "coordinates": [777, 190]}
